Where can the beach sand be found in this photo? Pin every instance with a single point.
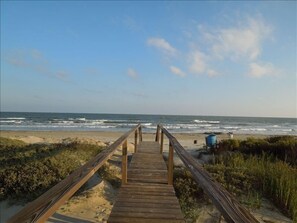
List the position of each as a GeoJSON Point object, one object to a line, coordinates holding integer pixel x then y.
{"type": "Point", "coordinates": [95, 202]}
{"type": "Point", "coordinates": [185, 139]}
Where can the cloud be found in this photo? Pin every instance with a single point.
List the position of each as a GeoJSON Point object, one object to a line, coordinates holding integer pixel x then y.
{"type": "Point", "coordinates": [259, 70]}
{"type": "Point", "coordinates": [199, 65]}
{"type": "Point", "coordinates": [36, 54]}
{"type": "Point", "coordinates": [163, 45]}
{"type": "Point", "coordinates": [212, 73]}
{"type": "Point", "coordinates": [177, 71]}
{"type": "Point", "coordinates": [241, 41]}
{"type": "Point", "coordinates": [62, 75]}
{"type": "Point", "coordinates": [132, 73]}
{"type": "Point", "coordinates": [197, 62]}
{"type": "Point", "coordinates": [26, 58]}
{"type": "Point", "coordinates": [34, 61]}
{"type": "Point", "coordinates": [131, 23]}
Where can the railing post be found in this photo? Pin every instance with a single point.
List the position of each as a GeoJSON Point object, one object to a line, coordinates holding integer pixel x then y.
{"type": "Point", "coordinates": [140, 134]}
{"type": "Point", "coordinates": [162, 141]}
{"type": "Point", "coordinates": [170, 165]}
{"type": "Point", "coordinates": [157, 134]}
{"type": "Point", "coordinates": [124, 162]}
{"type": "Point", "coordinates": [135, 141]}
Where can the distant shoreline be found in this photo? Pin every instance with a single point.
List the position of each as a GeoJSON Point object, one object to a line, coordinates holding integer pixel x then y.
{"type": "Point", "coordinates": [186, 139]}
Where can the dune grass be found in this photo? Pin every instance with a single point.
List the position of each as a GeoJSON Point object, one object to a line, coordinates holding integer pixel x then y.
{"type": "Point", "coordinates": [279, 147]}
{"type": "Point", "coordinates": [189, 194]}
{"type": "Point", "coordinates": [28, 170]}
{"type": "Point", "coordinates": [270, 165]}
{"type": "Point", "coordinates": [249, 169]}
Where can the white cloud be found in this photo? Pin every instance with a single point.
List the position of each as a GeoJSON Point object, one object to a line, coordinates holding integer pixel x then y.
{"type": "Point", "coordinates": [212, 73]}
{"type": "Point", "coordinates": [243, 41]}
{"type": "Point", "coordinates": [33, 60]}
{"type": "Point", "coordinates": [36, 54]}
{"type": "Point", "coordinates": [132, 73]}
{"type": "Point", "coordinates": [131, 23]}
{"type": "Point", "coordinates": [258, 70]}
{"type": "Point", "coordinates": [162, 45]}
{"type": "Point", "coordinates": [177, 71]}
{"type": "Point", "coordinates": [197, 62]}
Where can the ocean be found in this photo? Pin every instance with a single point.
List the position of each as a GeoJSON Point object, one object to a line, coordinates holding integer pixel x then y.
{"type": "Point", "coordinates": [24, 121]}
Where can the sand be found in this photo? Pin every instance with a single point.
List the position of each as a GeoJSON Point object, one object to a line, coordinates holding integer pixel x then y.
{"type": "Point", "coordinates": [94, 204]}
{"type": "Point", "coordinates": [185, 139]}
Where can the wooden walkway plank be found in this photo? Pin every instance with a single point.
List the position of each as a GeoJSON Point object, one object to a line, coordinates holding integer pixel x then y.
{"type": "Point", "coordinates": [147, 197]}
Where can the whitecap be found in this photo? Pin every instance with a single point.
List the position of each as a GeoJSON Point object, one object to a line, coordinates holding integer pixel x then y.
{"type": "Point", "coordinates": [205, 121]}
{"type": "Point", "coordinates": [16, 118]}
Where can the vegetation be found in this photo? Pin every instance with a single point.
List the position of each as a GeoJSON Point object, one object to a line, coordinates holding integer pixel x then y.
{"type": "Point", "coordinates": [257, 176]}
{"type": "Point", "coordinates": [250, 170]}
{"type": "Point", "coordinates": [279, 147]}
{"type": "Point", "coordinates": [188, 192]}
{"type": "Point", "coordinates": [31, 169]}
{"type": "Point", "coordinates": [111, 175]}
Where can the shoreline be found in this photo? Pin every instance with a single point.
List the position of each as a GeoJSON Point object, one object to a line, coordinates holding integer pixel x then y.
{"type": "Point", "coordinates": [108, 134]}
{"type": "Point", "coordinates": [107, 137]}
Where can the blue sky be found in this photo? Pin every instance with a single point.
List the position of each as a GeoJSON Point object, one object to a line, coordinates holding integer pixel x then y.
{"type": "Point", "coordinates": [186, 58]}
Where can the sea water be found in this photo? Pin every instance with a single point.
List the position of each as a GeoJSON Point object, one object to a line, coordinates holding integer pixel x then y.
{"type": "Point", "coordinates": [123, 122]}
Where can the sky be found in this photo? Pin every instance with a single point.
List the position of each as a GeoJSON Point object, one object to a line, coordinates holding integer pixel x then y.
{"type": "Point", "coordinates": [226, 58]}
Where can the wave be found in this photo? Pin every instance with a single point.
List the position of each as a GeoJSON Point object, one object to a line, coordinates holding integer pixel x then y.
{"type": "Point", "coordinates": [254, 129]}
{"type": "Point", "coordinates": [204, 125]}
{"type": "Point", "coordinates": [205, 121]}
{"type": "Point", "coordinates": [122, 121]}
{"type": "Point", "coordinates": [11, 121]}
{"type": "Point", "coordinates": [230, 127]}
{"type": "Point", "coordinates": [14, 118]}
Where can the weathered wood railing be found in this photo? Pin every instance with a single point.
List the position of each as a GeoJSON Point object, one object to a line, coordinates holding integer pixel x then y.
{"type": "Point", "coordinates": [45, 206]}
{"type": "Point", "coordinates": [230, 208]}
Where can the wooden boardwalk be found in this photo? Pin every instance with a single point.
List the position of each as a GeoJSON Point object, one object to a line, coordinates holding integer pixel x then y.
{"type": "Point", "coordinates": [146, 197]}
{"type": "Point", "coordinates": [147, 194]}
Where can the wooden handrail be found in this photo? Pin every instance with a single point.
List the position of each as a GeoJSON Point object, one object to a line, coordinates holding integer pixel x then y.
{"type": "Point", "coordinates": [226, 203]}
{"type": "Point", "coordinates": [45, 206]}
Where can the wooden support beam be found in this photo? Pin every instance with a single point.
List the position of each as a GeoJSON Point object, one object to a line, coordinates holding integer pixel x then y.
{"type": "Point", "coordinates": [135, 141]}
{"type": "Point", "coordinates": [170, 165]}
{"type": "Point", "coordinates": [162, 142]}
{"type": "Point", "coordinates": [157, 134]}
{"type": "Point", "coordinates": [140, 134]}
{"type": "Point", "coordinates": [124, 162]}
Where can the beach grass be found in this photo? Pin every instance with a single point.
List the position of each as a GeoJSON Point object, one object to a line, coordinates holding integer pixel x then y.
{"type": "Point", "coordinates": [258, 176]}
{"type": "Point", "coordinates": [250, 169]}
{"type": "Point", "coordinates": [28, 170]}
{"type": "Point", "coordinates": [279, 147]}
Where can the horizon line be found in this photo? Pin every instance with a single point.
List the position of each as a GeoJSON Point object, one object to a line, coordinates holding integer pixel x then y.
{"type": "Point", "coordinates": [104, 113]}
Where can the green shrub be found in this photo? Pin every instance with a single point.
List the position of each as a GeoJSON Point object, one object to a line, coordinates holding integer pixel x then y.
{"type": "Point", "coordinates": [6, 143]}
{"type": "Point", "coordinates": [188, 192]}
{"type": "Point", "coordinates": [110, 175]}
{"type": "Point", "coordinates": [280, 147]}
{"type": "Point", "coordinates": [230, 144]}
{"type": "Point", "coordinates": [28, 170]}
{"type": "Point", "coordinates": [275, 179]}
